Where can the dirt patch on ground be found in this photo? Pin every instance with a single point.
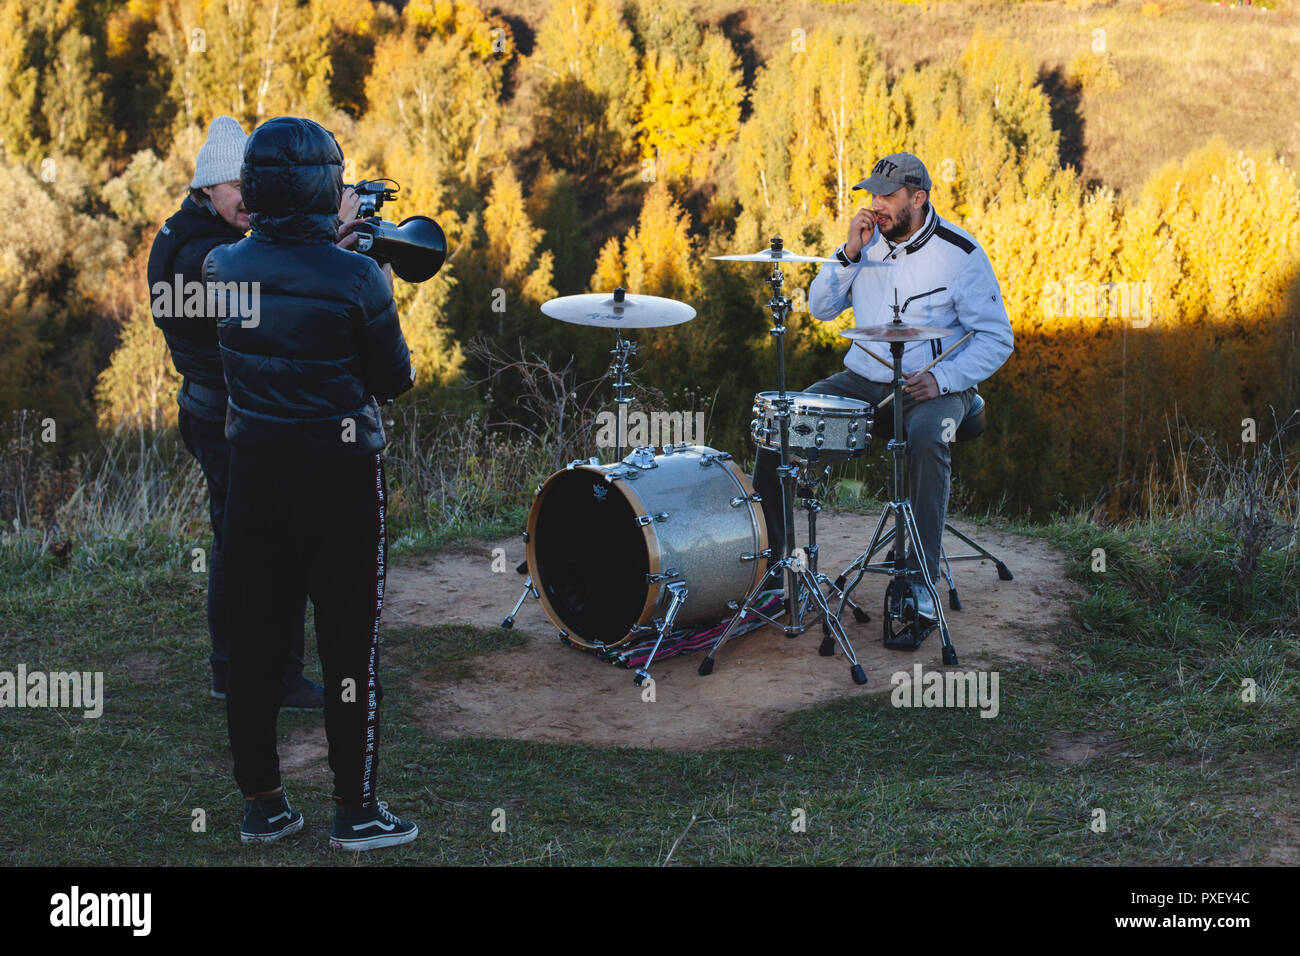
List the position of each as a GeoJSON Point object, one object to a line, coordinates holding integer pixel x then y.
{"type": "Point", "coordinates": [547, 691]}
{"type": "Point", "coordinates": [304, 753]}
{"type": "Point", "coordinates": [142, 666]}
{"type": "Point", "coordinates": [1075, 750]}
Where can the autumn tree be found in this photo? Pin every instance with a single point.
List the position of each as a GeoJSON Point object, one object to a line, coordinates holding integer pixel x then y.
{"type": "Point", "coordinates": [822, 114]}
{"type": "Point", "coordinates": [49, 279]}
{"type": "Point", "coordinates": [508, 277]}
{"type": "Point", "coordinates": [591, 87]}
{"type": "Point", "coordinates": [52, 83]}
{"type": "Point", "coordinates": [553, 206]}
{"type": "Point", "coordinates": [138, 387]}
{"type": "Point", "coordinates": [435, 88]}
{"type": "Point", "coordinates": [691, 109]}
{"type": "Point", "coordinates": [247, 59]}
{"type": "Point", "coordinates": [655, 257]}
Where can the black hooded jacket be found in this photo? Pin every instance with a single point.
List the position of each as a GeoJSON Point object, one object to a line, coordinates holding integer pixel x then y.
{"type": "Point", "coordinates": [179, 250]}
{"type": "Point", "coordinates": [323, 340]}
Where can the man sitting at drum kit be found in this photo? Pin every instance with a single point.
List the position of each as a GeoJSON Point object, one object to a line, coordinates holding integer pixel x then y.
{"type": "Point", "coordinates": [941, 277]}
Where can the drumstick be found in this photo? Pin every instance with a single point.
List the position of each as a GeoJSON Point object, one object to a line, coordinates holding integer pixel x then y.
{"type": "Point", "coordinates": [874, 356]}
{"type": "Point", "coordinates": [939, 358]}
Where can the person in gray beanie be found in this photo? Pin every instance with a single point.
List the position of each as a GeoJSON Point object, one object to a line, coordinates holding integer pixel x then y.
{"type": "Point", "coordinates": [212, 215]}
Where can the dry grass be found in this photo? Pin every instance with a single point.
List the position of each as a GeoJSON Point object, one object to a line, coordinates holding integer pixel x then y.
{"type": "Point", "coordinates": [1194, 72]}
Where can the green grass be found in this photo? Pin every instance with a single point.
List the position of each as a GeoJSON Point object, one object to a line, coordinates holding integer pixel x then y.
{"type": "Point", "coordinates": [1150, 673]}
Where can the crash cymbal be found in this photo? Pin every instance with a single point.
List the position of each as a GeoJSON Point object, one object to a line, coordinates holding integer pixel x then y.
{"type": "Point", "coordinates": [897, 332]}
{"type": "Point", "coordinates": [618, 310]}
{"type": "Point", "coordinates": [772, 255]}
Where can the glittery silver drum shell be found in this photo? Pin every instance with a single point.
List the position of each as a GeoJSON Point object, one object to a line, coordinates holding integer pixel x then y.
{"type": "Point", "coordinates": [605, 541]}
{"type": "Point", "coordinates": [822, 427]}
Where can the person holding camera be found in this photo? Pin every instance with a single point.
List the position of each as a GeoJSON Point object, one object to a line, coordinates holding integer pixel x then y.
{"type": "Point", "coordinates": [305, 515]}
{"type": "Point", "coordinates": [213, 214]}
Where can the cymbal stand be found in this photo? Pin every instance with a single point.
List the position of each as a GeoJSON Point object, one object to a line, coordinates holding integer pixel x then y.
{"type": "Point", "coordinates": [791, 568]}
{"type": "Point", "coordinates": [905, 530]}
{"type": "Point", "coordinates": [623, 350]}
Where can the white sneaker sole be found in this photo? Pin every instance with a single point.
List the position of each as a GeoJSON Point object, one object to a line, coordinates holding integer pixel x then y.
{"type": "Point", "coordinates": [253, 839]}
{"type": "Point", "coordinates": [375, 842]}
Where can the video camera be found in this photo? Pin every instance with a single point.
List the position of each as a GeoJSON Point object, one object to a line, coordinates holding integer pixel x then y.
{"type": "Point", "coordinates": [416, 247]}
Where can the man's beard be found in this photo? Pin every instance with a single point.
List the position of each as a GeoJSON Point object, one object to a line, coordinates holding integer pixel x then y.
{"type": "Point", "coordinates": [898, 229]}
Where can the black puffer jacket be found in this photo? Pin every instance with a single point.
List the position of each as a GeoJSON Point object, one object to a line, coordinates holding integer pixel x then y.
{"type": "Point", "coordinates": [179, 249]}
{"type": "Point", "coordinates": [304, 372]}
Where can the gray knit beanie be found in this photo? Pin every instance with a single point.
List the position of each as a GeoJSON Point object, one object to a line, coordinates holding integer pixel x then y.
{"type": "Point", "coordinates": [222, 156]}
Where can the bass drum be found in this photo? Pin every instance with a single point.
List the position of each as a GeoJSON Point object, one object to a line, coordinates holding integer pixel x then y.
{"type": "Point", "coordinates": [605, 541]}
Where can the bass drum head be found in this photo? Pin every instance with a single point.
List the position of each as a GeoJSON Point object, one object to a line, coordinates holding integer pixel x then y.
{"type": "Point", "coordinates": [588, 556]}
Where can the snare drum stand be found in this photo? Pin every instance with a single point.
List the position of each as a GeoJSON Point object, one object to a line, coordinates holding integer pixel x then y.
{"type": "Point", "coordinates": [905, 530]}
{"type": "Point", "coordinates": [791, 568]}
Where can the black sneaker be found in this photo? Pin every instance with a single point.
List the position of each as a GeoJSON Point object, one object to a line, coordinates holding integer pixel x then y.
{"type": "Point", "coordinates": [370, 829]}
{"type": "Point", "coordinates": [219, 681]}
{"type": "Point", "coordinates": [268, 819]}
{"type": "Point", "coordinates": [305, 695]}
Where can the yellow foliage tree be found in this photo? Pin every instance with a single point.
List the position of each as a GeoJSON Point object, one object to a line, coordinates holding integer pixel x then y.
{"type": "Point", "coordinates": [435, 89]}
{"type": "Point", "coordinates": [656, 256]}
{"type": "Point", "coordinates": [591, 86]}
{"type": "Point", "coordinates": [54, 96]}
{"type": "Point", "coordinates": [246, 59]}
{"type": "Point", "coordinates": [138, 387]}
{"type": "Point", "coordinates": [512, 240]}
{"type": "Point", "coordinates": [691, 109]}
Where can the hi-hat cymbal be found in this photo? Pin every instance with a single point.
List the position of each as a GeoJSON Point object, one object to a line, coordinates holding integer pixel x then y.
{"type": "Point", "coordinates": [897, 332]}
{"type": "Point", "coordinates": [618, 310]}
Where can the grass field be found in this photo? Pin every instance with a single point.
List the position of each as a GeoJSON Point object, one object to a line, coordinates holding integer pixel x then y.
{"type": "Point", "coordinates": [1143, 719]}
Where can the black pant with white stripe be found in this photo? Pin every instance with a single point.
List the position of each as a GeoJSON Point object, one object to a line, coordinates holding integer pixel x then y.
{"type": "Point", "coordinates": [206, 441]}
{"type": "Point", "coordinates": [295, 528]}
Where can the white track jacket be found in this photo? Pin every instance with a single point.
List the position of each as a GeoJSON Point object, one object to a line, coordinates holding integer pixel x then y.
{"type": "Point", "coordinates": [939, 259]}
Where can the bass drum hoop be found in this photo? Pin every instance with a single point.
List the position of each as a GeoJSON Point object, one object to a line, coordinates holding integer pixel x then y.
{"type": "Point", "coordinates": [651, 542]}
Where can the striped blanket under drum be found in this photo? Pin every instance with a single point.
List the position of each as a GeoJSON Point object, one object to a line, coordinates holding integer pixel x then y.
{"type": "Point", "coordinates": [688, 640]}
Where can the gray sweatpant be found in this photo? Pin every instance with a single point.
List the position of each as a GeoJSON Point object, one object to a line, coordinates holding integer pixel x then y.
{"type": "Point", "coordinates": [929, 462]}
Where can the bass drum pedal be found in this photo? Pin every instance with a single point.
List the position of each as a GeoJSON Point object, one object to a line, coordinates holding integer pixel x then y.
{"type": "Point", "coordinates": [902, 629]}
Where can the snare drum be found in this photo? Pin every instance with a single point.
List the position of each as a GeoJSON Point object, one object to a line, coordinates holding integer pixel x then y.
{"type": "Point", "coordinates": [605, 541]}
{"type": "Point", "coordinates": [822, 427]}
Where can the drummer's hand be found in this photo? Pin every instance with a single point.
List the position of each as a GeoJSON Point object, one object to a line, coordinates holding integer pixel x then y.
{"type": "Point", "coordinates": [921, 387]}
{"type": "Point", "coordinates": [861, 226]}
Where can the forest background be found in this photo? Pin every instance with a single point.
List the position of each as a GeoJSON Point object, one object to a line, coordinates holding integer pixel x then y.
{"type": "Point", "coordinates": [1127, 166]}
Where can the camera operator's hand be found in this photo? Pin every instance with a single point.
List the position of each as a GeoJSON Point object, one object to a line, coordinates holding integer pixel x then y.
{"type": "Point", "coordinates": [347, 233]}
{"type": "Point", "coordinates": [348, 208]}
{"type": "Point", "coordinates": [387, 268]}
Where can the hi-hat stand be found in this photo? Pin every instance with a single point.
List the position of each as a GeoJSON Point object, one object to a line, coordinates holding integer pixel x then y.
{"type": "Point", "coordinates": [898, 607]}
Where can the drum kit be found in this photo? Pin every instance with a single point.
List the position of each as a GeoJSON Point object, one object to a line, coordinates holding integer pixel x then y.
{"type": "Point", "coordinates": [627, 551]}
